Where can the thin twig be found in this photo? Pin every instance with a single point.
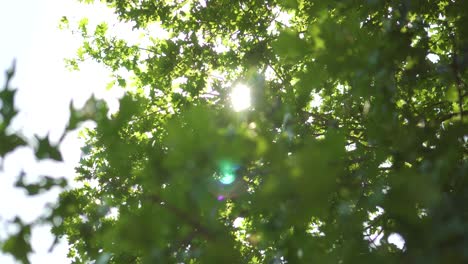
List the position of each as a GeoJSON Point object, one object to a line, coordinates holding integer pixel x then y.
{"type": "Point", "coordinates": [277, 74]}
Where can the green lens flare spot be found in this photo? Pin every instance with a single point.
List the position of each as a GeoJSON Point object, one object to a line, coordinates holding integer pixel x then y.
{"type": "Point", "coordinates": [227, 172]}
{"type": "Point", "coordinates": [227, 178]}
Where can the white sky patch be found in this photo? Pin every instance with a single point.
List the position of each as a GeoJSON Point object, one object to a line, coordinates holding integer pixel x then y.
{"type": "Point", "coordinates": [271, 29]}
{"type": "Point", "coordinates": [432, 30]}
{"type": "Point", "coordinates": [238, 222]}
{"type": "Point", "coordinates": [184, 11]}
{"type": "Point", "coordinates": [316, 101]}
{"type": "Point", "coordinates": [422, 213]}
{"type": "Point", "coordinates": [148, 36]}
{"type": "Point", "coordinates": [374, 238]}
{"type": "Point", "coordinates": [181, 36]}
{"type": "Point", "coordinates": [386, 164]}
{"type": "Point", "coordinates": [220, 47]}
{"type": "Point", "coordinates": [200, 38]}
{"type": "Point", "coordinates": [340, 88]}
{"type": "Point", "coordinates": [385, 189]}
{"type": "Point", "coordinates": [350, 147]}
{"type": "Point", "coordinates": [179, 80]}
{"type": "Point", "coordinates": [218, 75]}
{"type": "Point", "coordinates": [156, 31]}
{"type": "Point", "coordinates": [113, 213]}
{"type": "Point", "coordinates": [379, 212]}
{"type": "Point", "coordinates": [240, 97]}
{"type": "Point", "coordinates": [270, 74]}
{"type": "Point", "coordinates": [176, 83]}
{"type": "Point", "coordinates": [132, 36]}
{"type": "Point", "coordinates": [397, 240]}
{"type": "Point", "coordinates": [434, 58]}
{"type": "Point", "coordinates": [214, 76]}
{"type": "Point", "coordinates": [282, 17]}
{"type": "Point", "coordinates": [93, 183]}
{"type": "Point", "coordinates": [202, 3]}
{"type": "Point", "coordinates": [314, 229]}
{"type": "Point", "coordinates": [45, 88]}
{"type": "Point", "coordinates": [147, 90]}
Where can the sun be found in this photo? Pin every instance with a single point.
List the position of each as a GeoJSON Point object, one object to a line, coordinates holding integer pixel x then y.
{"type": "Point", "coordinates": [240, 97]}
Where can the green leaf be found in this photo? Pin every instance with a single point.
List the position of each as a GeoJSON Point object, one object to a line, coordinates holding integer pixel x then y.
{"type": "Point", "coordinates": [9, 143]}
{"type": "Point", "coordinates": [64, 23]}
{"type": "Point", "coordinates": [45, 150]}
{"type": "Point", "coordinates": [290, 46]}
{"type": "Point", "coordinates": [45, 184]}
{"type": "Point", "coordinates": [18, 245]}
{"type": "Point", "coordinates": [290, 4]}
{"type": "Point", "coordinates": [92, 110]}
{"type": "Point", "coordinates": [452, 94]}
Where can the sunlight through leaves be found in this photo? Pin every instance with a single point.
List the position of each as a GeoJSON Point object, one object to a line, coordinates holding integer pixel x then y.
{"type": "Point", "coordinates": [240, 97]}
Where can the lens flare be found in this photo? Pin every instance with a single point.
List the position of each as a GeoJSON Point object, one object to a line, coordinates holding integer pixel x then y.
{"type": "Point", "coordinates": [240, 97]}
{"type": "Point", "coordinates": [227, 173]}
{"type": "Point", "coordinates": [227, 178]}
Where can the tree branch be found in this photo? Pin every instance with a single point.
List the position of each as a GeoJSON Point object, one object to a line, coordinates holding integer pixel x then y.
{"type": "Point", "coordinates": [456, 71]}
{"type": "Point", "coordinates": [448, 116]}
{"type": "Point", "coordinates": [199, 228]}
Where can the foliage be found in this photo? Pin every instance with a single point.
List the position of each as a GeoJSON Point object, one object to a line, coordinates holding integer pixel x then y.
{"type": "Point", "coordinates": [383, 152]}
{"type": "Point", "coordinates": [18, 242]}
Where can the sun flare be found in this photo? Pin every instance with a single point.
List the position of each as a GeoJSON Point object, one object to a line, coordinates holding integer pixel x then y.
{"type": "Point", "coordinates": [240, 97]}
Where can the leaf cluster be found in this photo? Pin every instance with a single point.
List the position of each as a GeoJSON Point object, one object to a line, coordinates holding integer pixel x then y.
{"type": "Point", "coordinates": [355, 133]}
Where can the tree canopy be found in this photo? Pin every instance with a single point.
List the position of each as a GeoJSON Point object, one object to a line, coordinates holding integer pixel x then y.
{"type": "Point", "coordinates": [354, 129]}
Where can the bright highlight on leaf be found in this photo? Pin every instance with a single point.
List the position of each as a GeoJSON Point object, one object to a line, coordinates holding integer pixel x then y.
{"type": "Point", "coordinates": [240, 97]}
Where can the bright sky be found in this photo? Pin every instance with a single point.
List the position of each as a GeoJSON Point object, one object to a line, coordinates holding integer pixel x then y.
{"type": "Point", "coordinates": [29, 33]}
